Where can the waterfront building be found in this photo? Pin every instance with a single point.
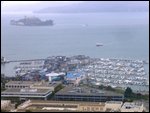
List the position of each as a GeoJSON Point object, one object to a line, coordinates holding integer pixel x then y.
{"type": "Point", "coordinates": [28, 93]}
{"type": "Point", "coordinates": [55, 76]}
{"type": "Point", "coordinates": [18, 84]}
{"type": "Point", "coordinates": [29, 66]}
{"type": "Point", "coordinates": [72, 93]}
{"type": "Point", "coordinates": [73, 78]}
{"type": "Point", "coordinates": [30, 84]}
{"type": "Point", "coordinates": [27, 89]}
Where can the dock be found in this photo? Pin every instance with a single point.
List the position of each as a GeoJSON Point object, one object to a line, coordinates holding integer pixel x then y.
{"type": "Point", "coordinates": [9, 61]}
{"type": "Point", "coordinates": [25, 60]}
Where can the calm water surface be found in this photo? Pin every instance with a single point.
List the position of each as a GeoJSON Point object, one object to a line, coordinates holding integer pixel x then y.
{"type": "Point", "coordinates": [124, 35]}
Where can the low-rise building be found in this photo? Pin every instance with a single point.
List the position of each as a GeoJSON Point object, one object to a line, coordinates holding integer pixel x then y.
{"type": "Point", "coordinates": [92, 107]}
{"type": "Point", "coordinates": [45, 85]}
{"type": "Point", "coordinates": [26, 89]}
{"type": "Point", "coordinates": [66, 106]}
{"type": "Point", "coordinates": [55, 76]}
{"type": "Point", "coordinates": [24, 94]}
{"type": "Point", "coordinates": [72, 93]}
{"type": "Point", "coordinates": [116, 105]}
{"type": "Point", "coordinates": [28, 66]}
{"type": "Point", "coordinates": [132, 107]}
{"type": "Point", "coordinates": [29, 84]}
{"type": "Point", "coordinates": [18, 84]}
{"type": "Point", "coordinates": [73, 78]}
{"type": "Point", "coordinates": [78, 106]}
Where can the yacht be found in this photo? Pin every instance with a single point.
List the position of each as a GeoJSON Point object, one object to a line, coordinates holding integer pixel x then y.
{"type": "Point", "coordinates": [99, 44]}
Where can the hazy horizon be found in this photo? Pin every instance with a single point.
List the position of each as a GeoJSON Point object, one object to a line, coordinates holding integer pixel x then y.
{"type": "Point", "coordinates": [30, 6]}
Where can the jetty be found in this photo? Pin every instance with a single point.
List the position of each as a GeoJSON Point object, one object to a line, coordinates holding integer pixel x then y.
{"type": "Point", "coordinates": [25, 60]}
{"type": "Point", "coordinates": [9, 61]}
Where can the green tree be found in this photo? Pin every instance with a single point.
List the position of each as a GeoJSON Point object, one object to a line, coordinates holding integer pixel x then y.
{"type": "Point", "coordinates": [109, 88]}
{"type": "Point", "coordinates": [101, 87]}
{"type": "Point", "coordinates": [128, 93]}
{"type": "Point", "coordinates": [2, 110]}
{"type": "Point", "coordinates": [28, 110]}
{"type": "Point", "coordinates": [59, 87]}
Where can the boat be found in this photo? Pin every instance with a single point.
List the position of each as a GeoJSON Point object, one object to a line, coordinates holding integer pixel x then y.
{"type": "Point", "coordinates": [31, 21]}
{"type": "Point", "coordinates": [99, 44]}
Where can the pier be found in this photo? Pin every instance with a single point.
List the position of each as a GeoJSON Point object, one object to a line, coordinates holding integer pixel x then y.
{"type": "Point", "coordinates": [9, 61]}
{"type": "Point", "coordinates": [25, 60]}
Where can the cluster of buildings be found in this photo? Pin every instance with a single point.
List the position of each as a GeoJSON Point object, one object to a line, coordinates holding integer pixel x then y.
{"type": "Point", "coordinates": [51, 66]}
{"type": "Point", "coordinates": [73, 78]}
{"type": "Point", "coordinates": [40, 79]}
{"type": "Point", "coordinates": [29, 66]}
{"type": "Point", "coordinates": [65, 64]}
{"type": "Point", "coordinates": [42, 90]}
{"type": "Point", "coordinates": [98, 71]}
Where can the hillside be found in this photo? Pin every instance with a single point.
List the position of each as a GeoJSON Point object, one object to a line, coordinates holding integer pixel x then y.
{"type": "Point", "coordinates": [96, 6]}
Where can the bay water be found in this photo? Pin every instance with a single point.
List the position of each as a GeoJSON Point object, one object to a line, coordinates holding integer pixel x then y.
{"type": "Point", "coordinates": [123, 35]}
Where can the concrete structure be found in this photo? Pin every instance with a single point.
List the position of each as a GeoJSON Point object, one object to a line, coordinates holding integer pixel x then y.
{"type": "Point", "coordinates": [27, 89]}
{"type": "Point", "coordinates": [132, 107]}
{"type": "Point", "coordinates": [116, 105]}
{"type": "Point", "coordinates": [6, 105]}
{"type": "Point", "coordinates": [29, 84]}
{"type": "Point", "coordinates": [92, 107]}
{"type": "Point", "coordinates": [24, 94]}
{"type": "Point", "coordinates": [18, 84]}
{"type": "Point", "coordinates": [67, 106]}
{"type": "Point", "coordinates": [73, 93]}
{"type": "Point", "coordinates": [78, 106]}
{"type": "Point", "coordinates": [52, 76]}
{"type": "Point", "coordinates": [45, 85]}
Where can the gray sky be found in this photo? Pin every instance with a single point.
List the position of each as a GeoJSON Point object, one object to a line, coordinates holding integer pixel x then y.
{"type": "Point", "coordinates": [51, 3]}
{"type": "Point", "coordinates": [10, 6]}
{"type": "Point", "coordinates": [19, 6]}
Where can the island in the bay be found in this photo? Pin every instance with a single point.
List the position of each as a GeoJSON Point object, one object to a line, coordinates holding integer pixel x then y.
{"type": "Point", "coordinates": [31, 21]}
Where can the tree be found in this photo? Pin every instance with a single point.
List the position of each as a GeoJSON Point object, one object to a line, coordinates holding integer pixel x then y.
{"type": "Point", "coordinates": [2, 110]}
{"type": "Point", "coordinates": [128, 92]}
{"type": "Point", "coordinates": [101, 87]}
{"type": "Point", "coordinates": [138, 95]}
{"type": "Point", "coordinates": [28, 110]}
{"type": "Point", "coordinates": [59, 87]}
{"type": "Point", "coordinates": [109, 88]}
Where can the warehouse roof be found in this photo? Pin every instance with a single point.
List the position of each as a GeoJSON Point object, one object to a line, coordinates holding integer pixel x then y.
{"type": "Point", "coordinates": [72, 90]}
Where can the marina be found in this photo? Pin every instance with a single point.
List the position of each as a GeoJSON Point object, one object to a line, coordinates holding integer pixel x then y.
{"type": "Point", "coordinates": [95, 71]}
{"type": "Point", "coordinates": [75, 56]}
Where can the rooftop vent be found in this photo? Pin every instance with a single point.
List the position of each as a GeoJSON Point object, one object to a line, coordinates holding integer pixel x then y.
{"type": "Point", "coordinates": [28, 90]}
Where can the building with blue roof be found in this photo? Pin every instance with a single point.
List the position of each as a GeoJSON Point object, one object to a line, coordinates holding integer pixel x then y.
{"type": "Point", "coordinates": [73, 78]}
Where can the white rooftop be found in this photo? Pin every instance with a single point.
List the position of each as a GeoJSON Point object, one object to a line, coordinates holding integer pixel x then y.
{"type": "Point", "coordinates": [54, 74]}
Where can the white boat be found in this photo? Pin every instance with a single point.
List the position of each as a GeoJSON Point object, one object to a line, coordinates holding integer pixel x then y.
{"type": "Point", "coordinates": [99, 44]}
